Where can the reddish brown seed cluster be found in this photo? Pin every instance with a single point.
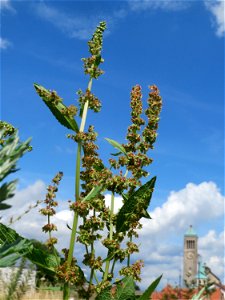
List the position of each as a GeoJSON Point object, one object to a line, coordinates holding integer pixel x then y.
{"type": "Point", "coordinates": [134, 270]}
{"type": "Point", "coordinates": [49, 210]}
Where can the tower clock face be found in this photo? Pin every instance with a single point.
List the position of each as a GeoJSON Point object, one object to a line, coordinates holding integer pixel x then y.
{"type": "Point", "coordinates": [190, 255]}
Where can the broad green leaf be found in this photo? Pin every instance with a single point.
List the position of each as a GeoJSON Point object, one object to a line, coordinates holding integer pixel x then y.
{"type": "Point", "coordinates": [36, 254]}
{"type": "Point", "coordinates": [137, 202]}
{"type": "Point", "coordinates": [9, 260]}
{"type": "Point", "coordinates": [8, 235]}
{"type": "Point", "coordinates": [117, 145]}
{"type": "Point", "coordinates": [147, 294]}
{"type": "Point", "coordinates": [10, 253]}
{"type": "Point", "coordinates": [43, 259]}
{"type": "Point", "coordinates": [56, 108]}
{"type": "Point", "coordinates": [123, 290]}
{"type": "Point", "coordinates": [105, 294]}
{"type": "Point", "coordinates": [93, 193]}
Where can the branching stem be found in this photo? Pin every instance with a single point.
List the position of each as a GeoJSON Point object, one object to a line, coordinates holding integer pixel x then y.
{"type": "Point", "coordinates": [110, 236]}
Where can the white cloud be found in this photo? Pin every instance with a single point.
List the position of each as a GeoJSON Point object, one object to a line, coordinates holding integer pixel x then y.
{"type": "Point", "coordinates": [168, 5]}
{"type": "Point", "coordinates": [6, 5]}
{"type": "Point", "coordinates": [211, 248]}
{"type": "Point", "coordinates": [76, 26]}
{"type": "Point", "coordinates": [161, 238]}
{"type": "Point", "coordinates": [217, 10]}
{"type": "Point", "coordinates": [191, 205]}
{"type": "Point", "coordinates": [4, 43]}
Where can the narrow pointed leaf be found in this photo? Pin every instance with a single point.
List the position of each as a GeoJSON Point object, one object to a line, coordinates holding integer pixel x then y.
{"type": "Point", "coordinates": [7, 190]}
{"type": "Point", "coordinates": [135, 206]}
{"type": "Point", "coordinates": [116, 154]}
{"type": "Point", "coordinates": [93, 193]}
{"type": "Point", "coordinates": [147, 294]}
{"type": "Point", "coordinates": [145, 214]}
{"type": "Point", "coordinates": [56, 108]}
{"type": "Point", "coordinates": [197, 297]}
{"type": "Point", "coordinates": [116, 145]}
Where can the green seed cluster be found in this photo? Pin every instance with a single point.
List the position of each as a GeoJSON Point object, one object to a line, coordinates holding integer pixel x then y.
{"type": "Point", "coordinates": [70, 111]}
{"type": "Point", "coordinates": [91, 64]}
{"type": "Point", "coordinates": [51, 96]}
{"type": "Point", "coordinates": [93, 102]}
{"type": "Point", "coordinates": [9, 130]}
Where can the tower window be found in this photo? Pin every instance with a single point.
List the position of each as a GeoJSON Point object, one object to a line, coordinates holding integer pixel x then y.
{"type": "Point", "coordinates": [190, 244]}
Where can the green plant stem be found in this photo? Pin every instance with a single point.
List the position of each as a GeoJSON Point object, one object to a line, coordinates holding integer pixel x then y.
{"type": "Point", "coordinates": [128, 258]}
{"type": "Point", "coordinates": [113, 265]}
{"type": "Point", "coordinates": [72, 239]}
{"type": "Point", "coordinates": [110, 236]}
{"type": "Point", "coordinates": [66, 289]}
{"type": "Point", "coordinates": [92, 252]}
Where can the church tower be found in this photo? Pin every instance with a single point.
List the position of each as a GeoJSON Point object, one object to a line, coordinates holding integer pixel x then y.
{"type": "Point", "coordinates": [190, 263]}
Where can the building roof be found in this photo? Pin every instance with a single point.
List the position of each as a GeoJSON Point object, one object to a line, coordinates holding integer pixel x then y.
{"type": "Point", "coordinates": [170, 292]}
{"type": "Point", "coordinates": [201, 272]}
{"type": "Point", "coordinates": [190, 232]}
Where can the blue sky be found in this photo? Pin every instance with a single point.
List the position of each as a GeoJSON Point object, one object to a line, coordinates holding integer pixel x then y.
{"type": "Point", "coordinates": [178, 45]}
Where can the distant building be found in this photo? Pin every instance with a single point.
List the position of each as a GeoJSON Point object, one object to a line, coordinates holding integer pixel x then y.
{"type": "Point", "coordinates": [190, 260]}
{"type": "Point", "coordinates": [195, 273]}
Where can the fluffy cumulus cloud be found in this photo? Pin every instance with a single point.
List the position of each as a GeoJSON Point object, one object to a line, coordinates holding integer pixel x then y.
{"type": "Point", "coordinates": [191, 205]}
{"type": "Point", "coordinates": [211, 248]}
{"type": "Point", "coordinates": [217, 10]}
{"type": "Point", "coordinates": [161, 239]}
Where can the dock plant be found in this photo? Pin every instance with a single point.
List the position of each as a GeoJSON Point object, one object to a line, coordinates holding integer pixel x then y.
{"type": "Point", "coordinates": [95, 224]}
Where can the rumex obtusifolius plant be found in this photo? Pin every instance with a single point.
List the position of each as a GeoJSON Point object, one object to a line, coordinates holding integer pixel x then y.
{"type": "Point", "coordinates": [93, 178]}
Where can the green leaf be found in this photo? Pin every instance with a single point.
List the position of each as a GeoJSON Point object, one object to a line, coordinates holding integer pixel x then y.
{"type": "Point", "coordinates": [135, 207]}
{"type": "Point", "coordinates": [4, 206]}
{"type": "Point", "coordinates": [6, 192]}
{"type": "Point", "coordinates": [93, 193]}
{"type": "Point", "coordinates": [122, 290]}
{"type": "Point", "coordinates": [32, 250]}
{"type": "Point", "coordinates": [147, 294]}
{"type": "Point", "coordinates": [105, 294]}
{"type": "Point", "coordinates": [56, 108]}
{"type": "Point", "coordinates": [10, 253]}
{"type": "Point", "coordinates": [8, 235]}
{"type": "Point", "coordinates": [125, 289]}
{"type": "Point", "coordinates": [197, 297]}
{"type": "Point", "coordinates": [10, 152]}
{"type": "Point", "coordinates": [117, 145]}
{"type": "Point", "coordinates": [9, 260]}
{"type": "Point", "coordinates": [110, 256]}
{"type": "Point", "coordinates": [116, 154]}
{"type": "Point", "coordinates": [43, 258]}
